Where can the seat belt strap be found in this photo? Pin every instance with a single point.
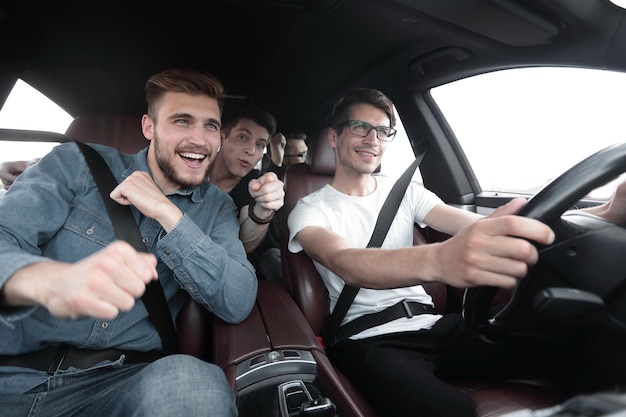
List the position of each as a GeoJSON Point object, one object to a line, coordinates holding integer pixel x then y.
{"type": "Point", "coordinates": [404, 308]}
{"type": "Point", "coordinates": [385, 218]}
{"type": "Point", "coordinates": [126, 229]}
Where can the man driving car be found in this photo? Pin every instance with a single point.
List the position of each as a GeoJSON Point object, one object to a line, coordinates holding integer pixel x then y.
{"type": "Point", "coordinates": [400, 364]}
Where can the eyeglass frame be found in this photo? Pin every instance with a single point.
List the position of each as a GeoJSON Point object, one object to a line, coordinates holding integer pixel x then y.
{"type": "Point", "coordinates": [297, 155]}
{"type": "Point", "coordinates": [390, 137]}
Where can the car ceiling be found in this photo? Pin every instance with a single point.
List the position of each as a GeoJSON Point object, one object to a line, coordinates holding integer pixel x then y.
{"type": "Point", "coordinates": [292, 57]}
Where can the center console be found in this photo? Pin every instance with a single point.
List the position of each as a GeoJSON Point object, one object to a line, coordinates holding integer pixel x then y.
{"type": "Point", "coordinates": [275, 363]}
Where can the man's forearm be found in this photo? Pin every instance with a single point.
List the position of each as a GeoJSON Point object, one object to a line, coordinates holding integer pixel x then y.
{"type": "Point", "coordinates": [252, 233]}
{"type": "Point", "coordinates": [384, 268]}
{"type": "Point", "coordinates": [20, 289]}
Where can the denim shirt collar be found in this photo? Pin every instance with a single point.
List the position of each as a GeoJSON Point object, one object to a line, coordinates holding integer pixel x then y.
{"type": "Point", "coordinates": [140, 163]}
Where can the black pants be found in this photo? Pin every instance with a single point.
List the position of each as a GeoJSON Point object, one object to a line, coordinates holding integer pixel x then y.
{"type": "Point", "coordinates": [403, 374]}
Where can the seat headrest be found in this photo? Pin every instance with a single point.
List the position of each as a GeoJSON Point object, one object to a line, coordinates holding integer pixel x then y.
{"type": "Point", "coordinates": [322, 156]}
{"type": "Point", "coordinates": [303, 179]}
{"type": "Point", "coordinates": [120, 131]}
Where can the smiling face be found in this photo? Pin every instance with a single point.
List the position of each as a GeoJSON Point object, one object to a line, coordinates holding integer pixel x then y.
{"type": "Point", "coordinates": [185, 139]}
{"type": "Point", "coordinates": [242, 147]}
{"type": "Point", "coordinates": [359, 155]}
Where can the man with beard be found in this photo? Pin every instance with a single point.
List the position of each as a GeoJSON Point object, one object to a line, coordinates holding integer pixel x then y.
{"type": "Point", "coordinates": [67, 285]}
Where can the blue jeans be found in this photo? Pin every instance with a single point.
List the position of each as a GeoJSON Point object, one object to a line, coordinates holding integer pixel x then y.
{"type": "Point", "coordinates": [176, 385]}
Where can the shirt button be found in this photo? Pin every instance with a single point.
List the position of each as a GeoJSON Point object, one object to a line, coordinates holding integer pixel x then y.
{"type": "Point", "coordinates": [167, 251]}
{"type": "Point", "coordinates": [145, 240]}
{"type": "Point", "coordinates": [105, 324]}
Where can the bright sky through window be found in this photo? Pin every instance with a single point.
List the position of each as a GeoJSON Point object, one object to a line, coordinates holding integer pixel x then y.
{"type": "Point", "coordinates": [620, 3]}
{"type": "Point", "coordinates": [27, 108]}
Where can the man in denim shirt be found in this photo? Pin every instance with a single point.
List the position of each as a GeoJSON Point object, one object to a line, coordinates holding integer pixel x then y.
{"type": "Point", "coordinates": [65, 279]}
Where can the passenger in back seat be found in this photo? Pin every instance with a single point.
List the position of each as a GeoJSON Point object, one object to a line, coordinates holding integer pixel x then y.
{"type": "Point", "coordinates": [75, 338]}
{"type": "Point", "coordinates": [398, 365]}
{"type": "Point", "coordinates": [246, 131]}
{"type": "Point", "coordinates": [285, 151]}
{"type": "Point", "coordinates": [10, 170]}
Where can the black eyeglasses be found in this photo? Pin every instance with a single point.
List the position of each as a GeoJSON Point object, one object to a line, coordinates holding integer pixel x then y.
{"type": "Point", "coordinates": [362, 129]}
{"type": "Point", "coordinates": [298, 155]}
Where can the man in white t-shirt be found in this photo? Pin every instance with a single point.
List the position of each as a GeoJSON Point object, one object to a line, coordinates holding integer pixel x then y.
{"type": "Point", "coordinates": [397, 364]}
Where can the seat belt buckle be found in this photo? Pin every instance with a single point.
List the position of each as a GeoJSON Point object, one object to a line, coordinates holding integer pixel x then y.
{"type": "Point", "coordinates": [407, 309]}
{"type": "Point", "coordinates": [57, 362]}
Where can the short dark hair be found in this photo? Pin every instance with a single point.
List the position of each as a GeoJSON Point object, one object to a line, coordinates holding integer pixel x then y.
{"type": "Point", "coordinates": [235, 110]}
{"type": "Point", "coordinates": [182, 81]}
{"type": "Point", "coordinates": [296, 135]}
{"type": "Point", "coordinates": [376, 98]}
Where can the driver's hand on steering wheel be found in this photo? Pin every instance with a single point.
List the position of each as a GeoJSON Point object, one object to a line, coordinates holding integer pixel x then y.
{"type": "Point", "coordinates": [613, 210]}
{"type": "Point", "coordinates": [493, 251]}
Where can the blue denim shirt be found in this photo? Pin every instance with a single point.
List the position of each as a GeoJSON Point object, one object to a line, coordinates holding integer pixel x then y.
{"type": "Point", "coordinates": [54, 211]}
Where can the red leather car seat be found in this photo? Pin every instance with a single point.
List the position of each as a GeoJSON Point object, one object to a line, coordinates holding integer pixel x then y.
{"type": "Point", "coordinates": [121, 131]}
{"type": "Point", "coordinates": [301, 278]}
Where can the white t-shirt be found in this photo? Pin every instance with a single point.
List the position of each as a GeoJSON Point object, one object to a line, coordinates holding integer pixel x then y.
{"type": "Point", "coordinates": [354, 218]}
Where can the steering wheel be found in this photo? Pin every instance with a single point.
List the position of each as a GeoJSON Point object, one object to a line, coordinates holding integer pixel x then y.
{"type": "Point", "coordinates": [579, 280]}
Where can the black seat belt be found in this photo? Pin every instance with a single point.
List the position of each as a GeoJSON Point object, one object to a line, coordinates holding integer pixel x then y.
{"type": "Point", "coordinates": [385, 218]}
{"type": "Point", "coordinates": [126, 229]}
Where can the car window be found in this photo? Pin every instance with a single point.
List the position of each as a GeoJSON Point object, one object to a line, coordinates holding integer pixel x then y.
{"type": "Point", "coordinates": [27, 108]}
{"type": "Point", "coordinates": [399, 154]}
{"type": "Point", "coordinates": [522, 128]}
